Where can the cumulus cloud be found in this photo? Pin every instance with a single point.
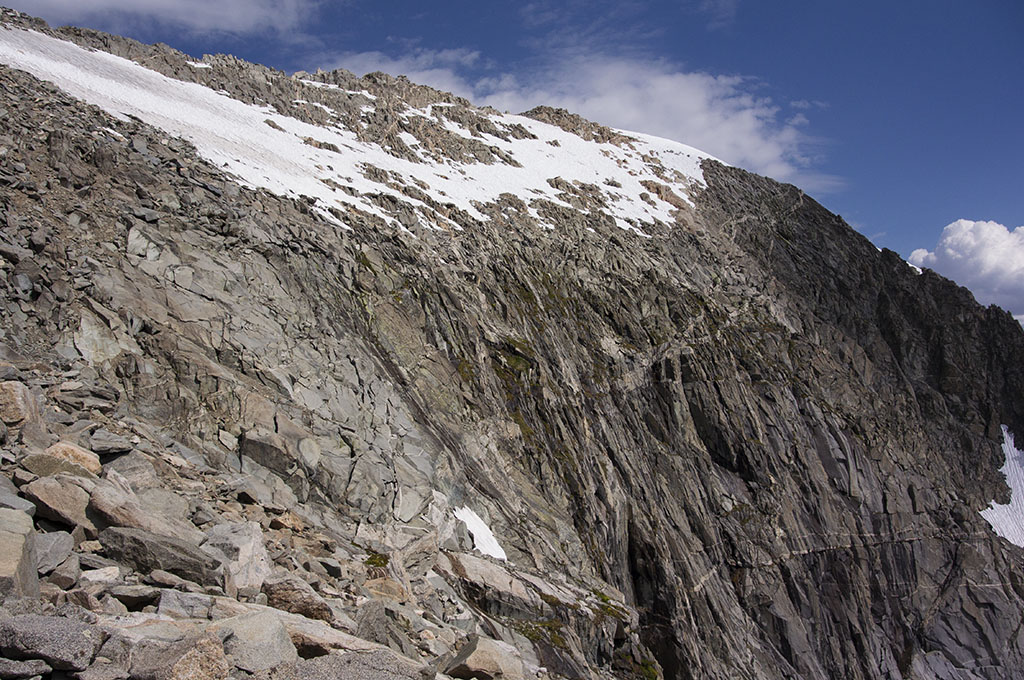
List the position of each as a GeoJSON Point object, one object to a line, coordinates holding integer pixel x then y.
{"type": "Point", "coordinates": [722, 115]}
{"type": "Point", "coordinates": [986, 257]}
{"type": "Point", "coordinates": [202, 16]}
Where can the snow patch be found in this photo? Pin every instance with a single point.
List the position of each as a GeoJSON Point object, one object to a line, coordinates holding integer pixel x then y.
{"type": "Point", "coordinates": [198, 64]}
{"type": "Point", "coordinates": [483, 537]}
{"type": "Point", "coordinates": [289, 157]}
{"type": "Point", "coordinates": [1008, 520]}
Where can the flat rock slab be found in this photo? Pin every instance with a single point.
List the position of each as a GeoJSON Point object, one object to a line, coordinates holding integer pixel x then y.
{"type": "Point", "coordinates": [146, 552]}
{"type": "Point", "coordinates": [64, 644]}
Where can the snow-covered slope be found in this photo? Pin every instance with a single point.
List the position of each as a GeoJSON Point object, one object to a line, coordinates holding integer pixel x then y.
{"type": "Point", "coordinates": [1008, 520]}
{"type": "Point", "coordinates": [639, 180]}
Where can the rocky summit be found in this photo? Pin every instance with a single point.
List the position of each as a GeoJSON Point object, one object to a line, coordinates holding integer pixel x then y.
{"type": "Point", "coordinates": [319, 376]}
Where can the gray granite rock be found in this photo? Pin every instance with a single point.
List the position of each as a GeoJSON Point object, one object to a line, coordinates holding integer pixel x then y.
{"type": "Point", "coordinates": [18, 576]}
{"type": "Point", "coordinates": [52, 548]}
{"type": "Point", "coordinates": [145, 552]}
{"type": "Point", "coordinates": [16, 670]}
{"type": "Point", "coordinates": [62, 643]}
{"type": "Point", "coordinates": [256, 642]}
{"type": "Point", "coordinates": [242, 552]}
{"type": "Point", "coordinates": [294, 595]}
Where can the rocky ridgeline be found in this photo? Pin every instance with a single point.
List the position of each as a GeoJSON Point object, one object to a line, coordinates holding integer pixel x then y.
{"type": "Point", "coordinates": [745, 445]}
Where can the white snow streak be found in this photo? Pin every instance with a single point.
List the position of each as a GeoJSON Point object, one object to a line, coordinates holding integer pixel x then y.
{"type": "Point", "coordinates": [483, 537]}
{"type": "Point", "coordinates": [238, 138]}
{"type": "Point", "coordinates": [1008, 520]}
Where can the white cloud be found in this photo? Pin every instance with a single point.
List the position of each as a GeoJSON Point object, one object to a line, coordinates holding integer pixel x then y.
{"type": "Point", "coordinates": [986, 257]}
{"type": "Point", "coordinates": [722, 115]}
{"type": "Point", "coordinates": [231, 16]}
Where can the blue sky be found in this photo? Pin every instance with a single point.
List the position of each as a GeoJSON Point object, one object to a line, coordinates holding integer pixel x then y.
{"type": "Point", "coordinates": [903, 117]}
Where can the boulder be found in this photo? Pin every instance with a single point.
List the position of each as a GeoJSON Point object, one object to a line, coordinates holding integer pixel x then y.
{"type": "Point", "coordinates": [241, 550]}
{"type": "Point", "coordinates": [52, 549]}
{"type": "Point", "coordinates": [113, 502]}
{"type": "Point", "coordinates": [256, 642]}
{"type": "Point", "coordinates": [16, 402]}
{"type": "Point", "coordinates": [64, 644]}
{"type": "Point", "coordinates": [146, 649]}
{"type": "Point", "coordinates": [486, 659]}
{"type": "Point", "coordinates": [380, 664]}
{"type": "Point", "coordinates": [15, 670]}
{"type": "Point", "coordinates": [145, 552]}
{"type": "Point", "coordinates": [18, 576]}
{"type": "Point", "coordinates": [60, 499]}
{"type": "Point", "coordinates": [45, 465]}
{"type": "Point", "coordinates": [9, 498]}
{"type": "Point", "coordinates": [374, 622]}
{"type": "Point", "coordinates": [136, 469]}
{"type": "Point", "coordinates": [66, 574]}
{"type": "Point", "coordinates": [104, 442]}
{"type": "Point", "coordinates": [77, 455]}
{"type": "Point", "coordinates": [294, 595]}
{"type": "Point", "coordinates": [204, 661]}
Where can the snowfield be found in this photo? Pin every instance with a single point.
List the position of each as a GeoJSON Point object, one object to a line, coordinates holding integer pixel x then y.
{"type": "Point", "coordinates": [268, 150]}
{"type": "Point", "coordinates": [1008, 520]}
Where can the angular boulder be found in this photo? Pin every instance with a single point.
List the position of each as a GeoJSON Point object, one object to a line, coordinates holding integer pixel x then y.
{"type": "Point", "coordinates": [256, 642]}
{"type": "Point", "coordinates": [380, 664]}
{"type": "Point", "coordinates": [486, 659]}
{"type": "Point", "coordinates": [16, 403]}
{"type": "Point", "coordinates": [204, 661]}
{"type": "Point", "coordinates": [52, 549]}
{"type": "Point", "coordinates": [18, 576]}
{"type": "Point", "coordinates": [145, 551]}
{"type": "Point", "coordinates": [60, 499]}
{"type": "Point", "coordinates": [77, 455]}
{"type": "Point", "coordinates": [9, 497]}
{"type": "Point", "coordinates": [241, 550]}
{"type": "Point", "coordinates": [65, 644]}
{"type": "Point", "coordinates": [116, 505]}
{"type": "Point", "coordinates": [45, 465]}
{"type": "Point", "coordinates": [294, 595]}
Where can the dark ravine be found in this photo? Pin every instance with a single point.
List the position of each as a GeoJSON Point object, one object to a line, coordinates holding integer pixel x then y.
{"type": "Point", "coordinates": [747, 445]}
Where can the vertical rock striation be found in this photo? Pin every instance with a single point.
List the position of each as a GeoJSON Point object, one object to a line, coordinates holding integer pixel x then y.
{"type": "Point", "coordinates": [742, 443]}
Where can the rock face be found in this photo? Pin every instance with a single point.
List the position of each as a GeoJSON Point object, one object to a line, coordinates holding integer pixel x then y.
{"type": "Point", "coordinates": [723, 438]}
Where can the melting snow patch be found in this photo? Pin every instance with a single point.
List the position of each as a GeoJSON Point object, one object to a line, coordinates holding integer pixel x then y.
{"type": "Point", "coordinates": [483, 538]}
{"type": "Point", "coordinates": [1008, 520]}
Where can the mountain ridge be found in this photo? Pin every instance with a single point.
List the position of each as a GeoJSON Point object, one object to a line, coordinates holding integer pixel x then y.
{"type": "Point", "coordinates": [742, 443]}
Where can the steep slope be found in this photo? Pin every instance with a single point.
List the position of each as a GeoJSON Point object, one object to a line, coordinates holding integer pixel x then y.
{"type": "Point", "coordinates": [715, 431]}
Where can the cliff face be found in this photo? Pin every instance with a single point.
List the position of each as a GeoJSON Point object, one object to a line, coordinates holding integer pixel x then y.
{"type": "Point", "coordinates": [720, 436]}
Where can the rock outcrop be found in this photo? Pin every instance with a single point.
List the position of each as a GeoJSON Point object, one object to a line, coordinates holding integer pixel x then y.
{"type": "Point", "coordinates": [737, 443]}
